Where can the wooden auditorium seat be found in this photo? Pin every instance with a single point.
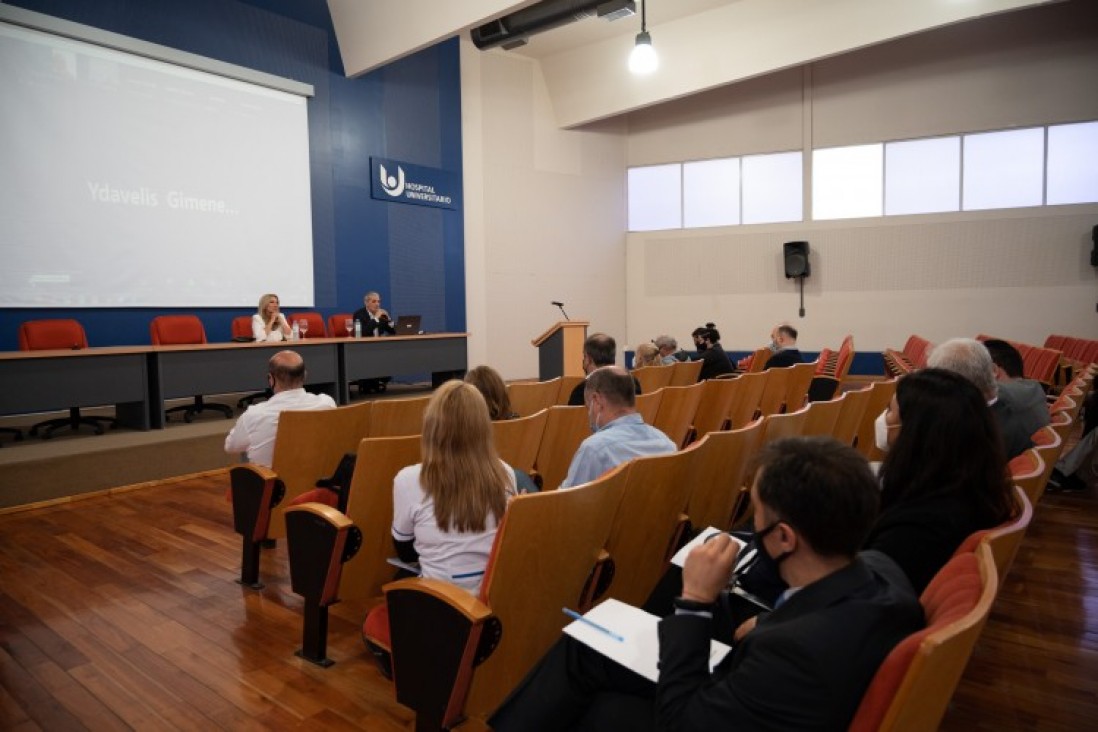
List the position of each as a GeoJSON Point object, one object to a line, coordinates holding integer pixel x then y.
{"type": "Point", "coordinates": [685, 373]}
{"type": "Point", "coordinates": [648, 524]}
{"type": "Point", "coordinates": [565, 429]}
{"type": "Point", "coordinates": [781, 426]}
{"type": "Point", "coordinates": [756, 362]}
{"type": "Point", "coordinates": [774, 392]}
{"type": "Point", "coordinates": [822, 418]}
{"type": "Point", "coordinates": [678, 406]}
{"type": "Point", "coordinates": [717, 474]}
{"type": "Point", "coordinates": [850, 415]}
{"type": "Point", "coordinates": [648, 405]}
{"type": "Point", "coordinates": [652, 378]}
{"type": "Point", "coordinates": [457, 656]}
{"type": "Point", "coordinates": [517, 440]}
{"type": "Point", "coordinates": [1004, 540]}
{"type": "Point", "coordinates": [370, 507]}
{"type": "Point", "coordinates": [254, 491]}
{"type": "Point", "coordinates": [796, 393]}
{"type": "Point", "coordinates": [880, 394]}
{"type": "Point", "coordinates": [398, 417]}
{"type": "Point", "coordinates": [913, 356]}
{"type": "Point", "coordinates": [529, 397]}
{"type": "Point", "coordinates": [567, 385]}
{"type": "Point", "coordinates": [746, 405]}
{"type": "Point", "coordinates": [913, 686]}
{"type": "Point", "coordinates": [714, 405]}
{"type": "Point", "coordinates": [309, 445]}
{"type": "Point", "coordinates": [320, 540]}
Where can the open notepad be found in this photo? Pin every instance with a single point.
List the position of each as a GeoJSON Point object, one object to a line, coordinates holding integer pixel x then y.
{"type": "Point", "coordinates": [637, 646]}
{"type": "Point", "coordinates": [680, 556]}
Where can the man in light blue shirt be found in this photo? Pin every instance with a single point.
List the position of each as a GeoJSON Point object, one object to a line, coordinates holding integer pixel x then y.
{"type": "Point", "coordinates": [620, 434]}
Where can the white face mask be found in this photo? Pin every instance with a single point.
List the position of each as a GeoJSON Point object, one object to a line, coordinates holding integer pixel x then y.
{"type": "Point", "coordinates": [880, 432]}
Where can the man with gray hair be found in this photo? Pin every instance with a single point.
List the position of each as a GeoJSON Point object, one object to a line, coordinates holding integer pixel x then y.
{"type": "Point", "coordinates": [669, 350]}
{"type": "Point", "coordinates": [620, 434]}
{"type": "Point", "coordinates": [969, 358]}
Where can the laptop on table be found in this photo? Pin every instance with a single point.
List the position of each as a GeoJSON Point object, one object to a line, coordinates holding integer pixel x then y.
{"type": "Point", "coordinates": [407, 325]}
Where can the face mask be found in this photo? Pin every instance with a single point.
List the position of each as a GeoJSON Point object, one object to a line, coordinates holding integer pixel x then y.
{"type": "Point", "coordinates": [774, 346]}
{"type": "Point", "coordinates": [756, 559]}
{"type": "Point", "coordinates": [880, 432]}
{"type": "Point", "coordinates": [592, 422]}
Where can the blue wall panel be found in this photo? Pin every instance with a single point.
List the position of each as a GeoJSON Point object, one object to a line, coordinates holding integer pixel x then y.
{"type": "Point", "coordinates": [409, 110]}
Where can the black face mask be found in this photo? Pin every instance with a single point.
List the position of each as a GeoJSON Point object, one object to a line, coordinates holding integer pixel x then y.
{"type": "Point", "coordinates": [755, 558]}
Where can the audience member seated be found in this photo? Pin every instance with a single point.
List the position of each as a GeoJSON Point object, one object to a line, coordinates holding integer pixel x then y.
{"type": "Point", "coordinates": [647, 355]}
{"type": "Point", "coordinates": [255, 431]}
{"type": "Point", "coordinates": [268, 323]}
{"type": "Point", "coordinates": [944, 475]}
{"type": "Point", "coordinates": [620, 433]}
{"type": "Point", "coordinates": [805, 666]}
{"type": "Point", "coordinates": [669, 350]}
{"type": "Point", "coordinates": [971, 359]}
{"type": "Point", "coordinates": [373, 320]}
{"type": "Point", "coordinates": [783, 341]}
{"type": "Point", "coordinates": [447, 508]}
{"type": "Point", "coordinates": [599, 350]}
{"type": "Point", "coordinates": [490, 385]}
{"type": "Point", "coordinates": [1066, 476]}
{"type": "Point", "coordinates": [715, 361]}
{"type": "Point", "coordinates": [1028, 394]}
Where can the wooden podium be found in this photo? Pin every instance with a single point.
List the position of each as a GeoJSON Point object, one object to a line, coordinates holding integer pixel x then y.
{"type": "Point", "coordinates": [560, 349]}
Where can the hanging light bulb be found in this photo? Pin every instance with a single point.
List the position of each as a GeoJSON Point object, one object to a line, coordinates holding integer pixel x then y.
{"type": "Point", "coordinates": [643, 58]}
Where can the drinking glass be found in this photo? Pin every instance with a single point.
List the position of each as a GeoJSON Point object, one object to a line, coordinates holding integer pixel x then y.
{"type": "Point", "coordinates": [303, 327]}
{"type": "Point", "coordinates": [349, 323]}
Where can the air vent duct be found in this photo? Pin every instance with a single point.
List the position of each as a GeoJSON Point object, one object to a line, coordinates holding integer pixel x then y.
{"type": "Point", "coordinates": [511, 31]}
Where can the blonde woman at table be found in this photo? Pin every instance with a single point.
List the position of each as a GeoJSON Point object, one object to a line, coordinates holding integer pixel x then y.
{"type": "Point", "coordinates": [268, 323]}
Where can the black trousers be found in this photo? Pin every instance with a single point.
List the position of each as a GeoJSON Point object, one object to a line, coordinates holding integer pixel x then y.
{"type": "Point", "coordinates": [576, 688]}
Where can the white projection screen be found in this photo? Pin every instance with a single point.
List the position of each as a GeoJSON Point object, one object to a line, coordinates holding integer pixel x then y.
{"type": "Point", "coordinates": [131, 182]}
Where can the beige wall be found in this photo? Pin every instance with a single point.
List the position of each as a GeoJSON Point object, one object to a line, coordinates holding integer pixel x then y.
{"type": "Point", "coordinates": [545, 214]}
{"type": "Point", "coordinates": [1020, 274]}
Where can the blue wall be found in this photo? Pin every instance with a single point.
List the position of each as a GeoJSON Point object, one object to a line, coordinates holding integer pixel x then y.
{"type": "Point", "coordinates": [410, 111]}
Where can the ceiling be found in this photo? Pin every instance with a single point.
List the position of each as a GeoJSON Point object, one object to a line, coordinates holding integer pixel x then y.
{"type": "Point", "coordinates": [703, 44]}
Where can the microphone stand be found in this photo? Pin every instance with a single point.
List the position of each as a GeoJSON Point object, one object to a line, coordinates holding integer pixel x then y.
{"type": "Point", "coordinates": [563, 313]}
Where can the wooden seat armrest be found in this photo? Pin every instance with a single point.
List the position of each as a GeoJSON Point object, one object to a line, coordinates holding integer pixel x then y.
{"type": "Point", "coordinates": [335, 518]}
{"type": "Point", "coordinates": [598, 582]}
{"type": "Point", "coordinates": [460, 600]}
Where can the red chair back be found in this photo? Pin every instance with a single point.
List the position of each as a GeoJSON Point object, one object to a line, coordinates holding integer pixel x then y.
{"type": "Point", "coordinates": [172, 330]}
{"type": "Point", "coordinates": [46, 335]}
{"type": "Point", "coordinates": [316, 324]}
{"type": "Point", "coordinates": [242, 327]}
{"type": "Point", "coordinates": [337, 325]}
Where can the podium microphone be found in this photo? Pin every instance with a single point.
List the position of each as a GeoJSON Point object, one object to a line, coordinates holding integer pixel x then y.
{"type": "Point", "coordinates": [561, 306]}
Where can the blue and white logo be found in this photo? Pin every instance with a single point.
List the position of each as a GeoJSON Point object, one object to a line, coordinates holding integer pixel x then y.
{"type": "Point", "coordinates": [393, 185]}
{"type": "Point", "coordinates": [414, 184]}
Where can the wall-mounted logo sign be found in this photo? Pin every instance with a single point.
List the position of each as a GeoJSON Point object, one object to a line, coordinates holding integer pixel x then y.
{"type": "Point", "coordinates": [400, 182]}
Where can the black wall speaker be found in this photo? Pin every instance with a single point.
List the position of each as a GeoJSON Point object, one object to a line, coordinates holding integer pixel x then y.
{"type": "Point", "coordinates": [796, 259]}
{"type": "Point", "coordinates": [1094, 248]}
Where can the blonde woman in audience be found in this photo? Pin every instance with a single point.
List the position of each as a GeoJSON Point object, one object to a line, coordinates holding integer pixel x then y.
{"type": "Point", "coordinates": [268, 323]}
{"type": "Point", "coordinates": [447, 508]}
{"type": "Point", "coordinates": [490, 385]}
{"type": "Point", "coordinates": [646, 355]}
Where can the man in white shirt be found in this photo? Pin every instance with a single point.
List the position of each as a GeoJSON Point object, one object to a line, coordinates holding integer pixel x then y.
{"type": "Point", "coordinates": [254, 433]}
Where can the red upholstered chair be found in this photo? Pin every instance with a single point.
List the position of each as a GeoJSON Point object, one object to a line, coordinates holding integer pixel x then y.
{"type": "Point", "coordinates": [914, 684]}
{"type": "Point", "coordinates": [315, 321]}
{"type": "Point", "coordinates": [242, 329]}
{"type": "Point", "coordinates": [45, 335]}
{"type": "Point", "coordinates": [242, 333]}
{"type": "Point", "coordinates": [337, 325]}
{"type": "Point", "coordinates": [174, 330]}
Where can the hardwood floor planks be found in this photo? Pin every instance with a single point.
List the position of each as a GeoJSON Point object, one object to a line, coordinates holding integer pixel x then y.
{"type": "Point", "coordinates": [122, 612]}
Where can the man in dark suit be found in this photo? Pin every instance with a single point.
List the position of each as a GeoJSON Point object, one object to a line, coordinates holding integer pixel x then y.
{"type": "Point", "coordinates": [784, 340]}
{"type": "Point", "coordinates": [805, 665]}
{"type": "Point", "coordinates": [971, 359]}
{"type": "Point", "coordinates": [599, 350]}
{"type": "Point", "coordinates": [373, 320]}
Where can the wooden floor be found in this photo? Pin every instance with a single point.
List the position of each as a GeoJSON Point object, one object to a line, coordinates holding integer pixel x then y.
{"type": "Point", "coordinates": [121, 612]}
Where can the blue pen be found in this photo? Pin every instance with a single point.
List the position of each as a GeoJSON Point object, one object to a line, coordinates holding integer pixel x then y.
{"type": "Point", "coordinates": [602, 629]}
